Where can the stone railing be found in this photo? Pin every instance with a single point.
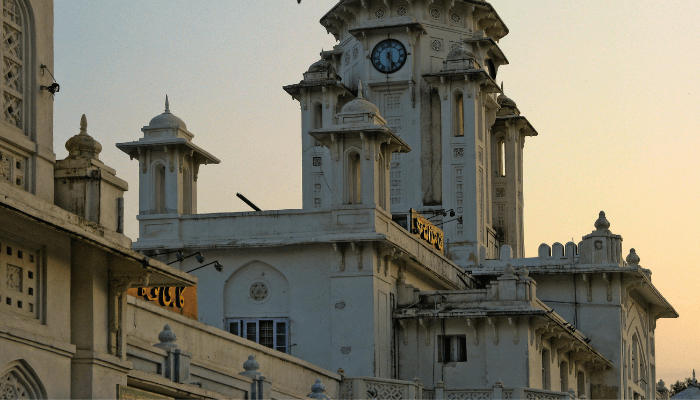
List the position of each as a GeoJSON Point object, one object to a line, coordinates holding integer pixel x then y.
{"type": "Point", "coordinates": [497, 393]}
{"type": "Point", "coordinates": [380, 389]}
{"type": "Point", "coordinates": [186, 357]}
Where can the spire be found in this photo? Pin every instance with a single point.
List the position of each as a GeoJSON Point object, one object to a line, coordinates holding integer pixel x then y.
{"type": "Point", "coordinates": [83, 125]}
{"type": "Point", "coordinates": [502, 88]}
{"type": "Point", "coordinates": [359, 89]}
{"type": "Point", "coordinates": [167, 105]}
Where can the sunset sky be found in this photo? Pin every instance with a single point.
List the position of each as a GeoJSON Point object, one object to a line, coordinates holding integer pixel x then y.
{"type": "Point", "coordinates": [611, 86]}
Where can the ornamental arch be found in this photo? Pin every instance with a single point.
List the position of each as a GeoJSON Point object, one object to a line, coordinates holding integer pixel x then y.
{"type": "Point", "coordinates": [256, 290]}
{"type": "Point", "coordinates": [19, 381]}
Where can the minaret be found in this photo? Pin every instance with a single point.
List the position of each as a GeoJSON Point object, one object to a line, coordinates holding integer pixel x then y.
{"type": "Point", "coordinates": [360, 147]}
{"type": "Point", "coordinates": [467, 111]}
{"type": "Point", "coordinates": [169, 164]}
{"type": "Point", "coordinates": [85, 186]}
{"type": "Point", "coordinates": [321, 96]}
{"type": "Point", "coordinates": [507, 143]}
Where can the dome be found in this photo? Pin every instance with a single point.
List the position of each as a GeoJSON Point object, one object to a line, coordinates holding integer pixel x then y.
{"type": "Point", "coordinates": [460, 53]}
{"type": "Point", "coordinates": [321, 66]}
{"type": "Point", "coordinates": [167, 120]}
{"type": "Point", "coordinates": [83, 144]}
{"type": "Point", "coordinates": [359, 104]}
{"type": "Point", "coordinates": [505, 101]}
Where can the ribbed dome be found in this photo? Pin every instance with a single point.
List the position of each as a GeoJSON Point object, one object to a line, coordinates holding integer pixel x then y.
{"type": "Point", "coordinates": [460, 53]}
{"type": "Point", "coordinates": [359, 104]}
{"type": "Point", "coordinates": [167, 120]}
{"type": "Point", "coordinates": [505, 101]}
{"type": "Point", "coordinates": [321, 66]}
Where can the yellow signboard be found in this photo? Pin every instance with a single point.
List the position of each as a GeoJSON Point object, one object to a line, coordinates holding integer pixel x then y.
{"type": "Point", "coordinates": [177, 299]}
{"type": "Point", "coordinates": [125, 392]}
{"type": "Point", "coordinates": [425, 230]}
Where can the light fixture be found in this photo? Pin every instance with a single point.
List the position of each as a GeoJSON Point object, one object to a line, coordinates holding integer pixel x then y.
{"type": "Point", "coordinates": [182, 257]}
{"type": "Point", "coordinates": [54, 87]}
{"type": "Point", "coordinates": [218, 266]}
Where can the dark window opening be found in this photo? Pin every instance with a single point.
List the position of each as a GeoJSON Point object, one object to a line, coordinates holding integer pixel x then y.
{"type": "Point", "coordinates": [452, 348]}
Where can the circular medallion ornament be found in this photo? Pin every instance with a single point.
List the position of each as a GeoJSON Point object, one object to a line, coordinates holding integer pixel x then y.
{"type": "Point", "coordinates": [258, 291]}
{"type": "Point", "coordinates": [388, 56]}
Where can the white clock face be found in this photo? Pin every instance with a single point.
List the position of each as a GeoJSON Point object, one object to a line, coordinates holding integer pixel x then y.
{"type": "Point", "coordinates": [388, 56]}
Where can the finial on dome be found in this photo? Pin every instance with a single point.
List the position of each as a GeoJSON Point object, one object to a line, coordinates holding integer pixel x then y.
{"type": "Point", "coordinates": [82, 144]}
{"type": "Point", "coordinates": [602, 223]}
{"type": "Point", "coordinates": [83, 125]}
{"type": "Point", "coordinates": [502, 87]}
{"type": "Point", "coordinates": [359, 89]}
{"type": "Point", "coordinates": [167, 105]}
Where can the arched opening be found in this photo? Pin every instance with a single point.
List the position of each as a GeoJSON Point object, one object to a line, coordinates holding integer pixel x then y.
{"type": "Point", "coordinates": [354, 179]}
{"type": "Point", "coordinates": [257, 305]}
{"type": "Point", "coordinates": [492, 68]}
{"type": "Point", "coordinates": [502, 157]}
{"type": "Point", "coordinates": [564, 375]}
{"type": "Point", "coordinates": [159, 188]}
{"type": "Point", "coordinates": [186, 191]}
{"type": "Point", "coordinates": [19, 381]}
{"type": "Point", "coordinates": [15, 53]}
{"type": "Point", "coordinates": [382, 182]}
{"type": "Point", "coordinates": [545, 370]}
{"type": "Point", "coordinates": [317, 116]}
{"type": "Point", "coordinates": [581, 383]}
{"type": "Point", "coordinates": [459, 114]}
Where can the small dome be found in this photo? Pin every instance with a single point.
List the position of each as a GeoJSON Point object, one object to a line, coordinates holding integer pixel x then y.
{"type": "Point", "coordinates": [460, 53]}
{"type": "Point", "coordinates": [505, 101]}
{"type": "Point", "coordinates": [359, 104]}
{"type": "Point", "coordinates": [82, 144]}
{"type": "Point", "coordinates": [321, 66]}
{"type": "Point", "coordinates": [167, 120]}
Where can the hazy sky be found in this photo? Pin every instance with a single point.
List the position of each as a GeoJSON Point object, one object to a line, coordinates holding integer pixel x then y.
{"type": "Point", "coordinates": [611, 86]}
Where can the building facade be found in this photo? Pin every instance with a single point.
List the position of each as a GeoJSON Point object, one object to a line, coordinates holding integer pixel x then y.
{"type": "Point", "coordinates": [68, 330]}
{"type": "Point", "coordinates": [407, 261]}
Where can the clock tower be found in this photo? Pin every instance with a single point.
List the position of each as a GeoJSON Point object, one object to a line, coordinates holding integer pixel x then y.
{"type": "Point", "coordinates": [430, 67]}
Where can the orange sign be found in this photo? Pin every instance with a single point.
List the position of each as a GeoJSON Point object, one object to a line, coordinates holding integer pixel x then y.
{"type": "Point", "coordinates": [182, 300]}
{"type": "Point", "coordinates": [425, 230]}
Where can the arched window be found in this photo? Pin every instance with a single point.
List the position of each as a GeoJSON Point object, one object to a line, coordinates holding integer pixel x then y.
{"type": "Point", "coordinates": [13, 55]}
{"type": "Point", "coordinates": [581, 384]}
{"type": "Point", "coordinates": [19, 381]}
{"type": "Point", "coordinates": [354, 179]}
{"type": "Point", "coordinates": [564, 375]}
{"type": "Point", "coordinates": [502, 157]}
{"type": "Point", "coordinates": [317, 115]}
{"type": "Point", "coordinates": [492, 68]}
{"type": "Point", "coordinates": [382, 182]}
{"type": "Point", "coordinates": [186, 191]}
{"type": "Point", "coordinates": [545, 370]}
{"type": "Point", "coordinates": [459, 114]}
{"type": "Point", "coordinates": [159, 188]}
